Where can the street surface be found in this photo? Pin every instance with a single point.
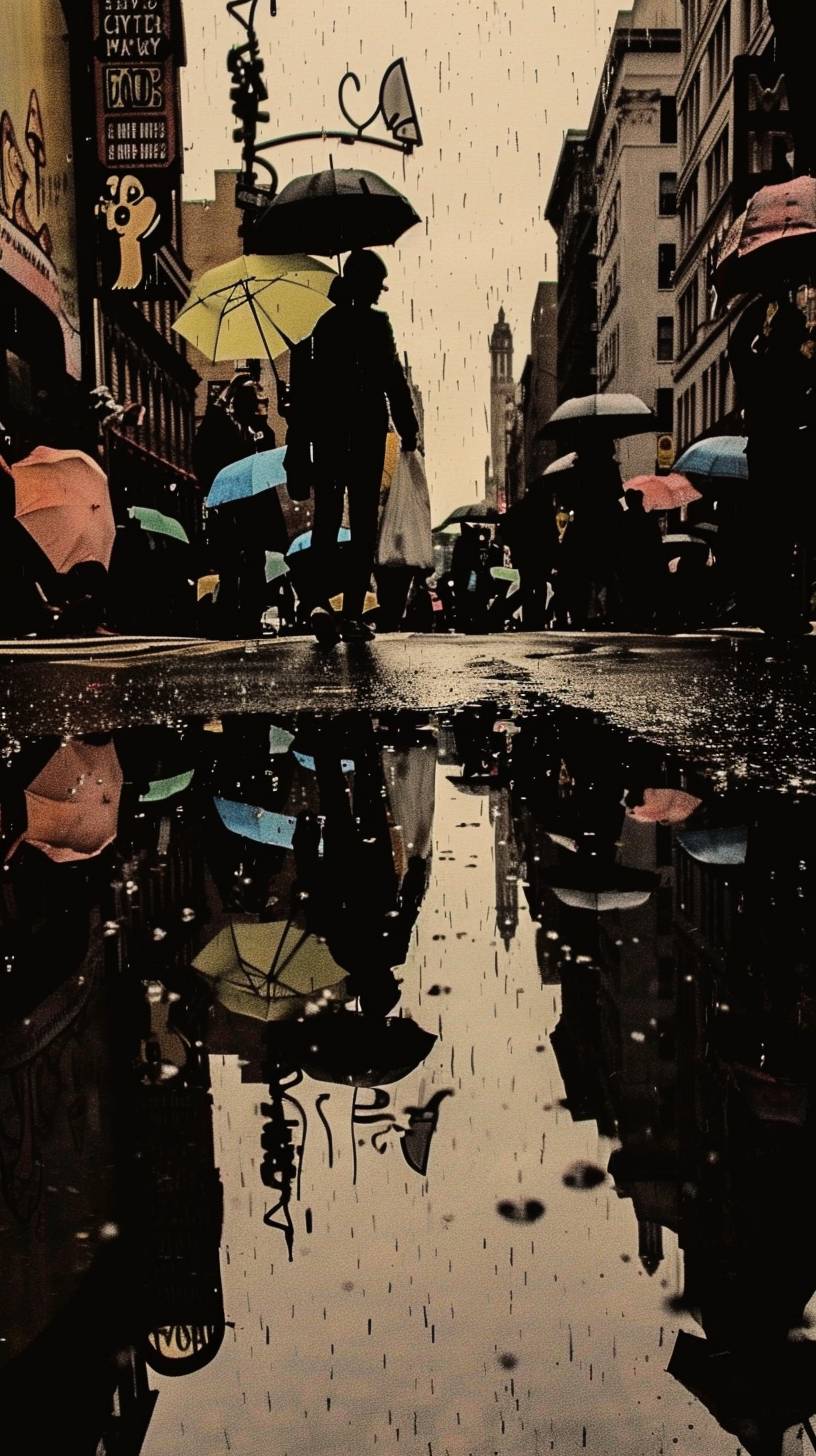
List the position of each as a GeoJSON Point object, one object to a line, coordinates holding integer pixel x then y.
{"type": "Point", "coordinates": [731, 702]}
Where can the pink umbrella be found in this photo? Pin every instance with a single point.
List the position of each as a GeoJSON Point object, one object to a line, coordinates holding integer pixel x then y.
{"type": "Point", "coordinates": [63, 501]}
{"type": "Point", "coordinates": [664, 806]}
{"type": "Point", "coordinates": [664, 492]}
{"type": "Point", "coordinates": [73, 804]}
{"type": "Point", "coordinates": [774, 239]}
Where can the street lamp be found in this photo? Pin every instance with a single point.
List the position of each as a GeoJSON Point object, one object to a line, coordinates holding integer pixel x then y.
{"type": "Point", "coordinates": [395, 109]}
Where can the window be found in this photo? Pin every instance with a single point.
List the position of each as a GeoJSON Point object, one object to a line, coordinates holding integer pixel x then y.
{"type": "Point", "coordinates": [665, 338]}
{"type": "Point", "coordinates": [689, 212]}
{"type": "Point", "coordinates": [723, 399]}
{"type": "Point", "coordinates": [667, 204]}
{"type": "Point", "coordinates": [668, 120]}
{"type": "Point", "coordinates": [717, 168]}
{"type": "Point", "coordinates": [687, 416]}
{"type": "Point", "coordinates": [689, 316]}
{"type": "Point", "coordinates": [718, 53]}
{"type": "Point", "coordinates": [666, 264]}
{"type": "Point", "coordinates": [664, 410]}
{"type": "Point", "coordinates": [690, 116]}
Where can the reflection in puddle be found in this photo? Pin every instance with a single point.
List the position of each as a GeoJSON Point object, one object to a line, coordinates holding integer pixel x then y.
{"type": "Point", "coordinates": [433, 1082]}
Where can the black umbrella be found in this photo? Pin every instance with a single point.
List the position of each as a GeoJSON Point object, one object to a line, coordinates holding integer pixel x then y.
{"type": "Point", "coordinates": [332, 212]}
{"type": "Point", "coordinates": [362, 1051]}
{"type": "Point", "coordinates": [758, 1399]}
{"type": "Point", "coordinates": [615, 415]}
{"type": "Point", "coordinates": [474, 511]}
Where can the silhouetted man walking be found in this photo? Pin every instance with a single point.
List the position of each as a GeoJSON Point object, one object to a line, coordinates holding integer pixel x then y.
{"type": "Point", "coordinates": [343, 389]}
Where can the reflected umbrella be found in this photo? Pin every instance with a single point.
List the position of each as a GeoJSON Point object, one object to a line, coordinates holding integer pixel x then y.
{"type": "Point", "coordinates": [727, 847]}
{"type": "Point", "coordinates": [266, 969]}
{"type": "Point", "coordinates": [263, 826]}
{"type": "Point", "coordinates": [73, 804]}
{"type": "Point", "coordinates": [361, 1051]}
{"type": "Point", "coordinates": [664, 806]}
{"type": "Point", "coordinates": [601, 887]}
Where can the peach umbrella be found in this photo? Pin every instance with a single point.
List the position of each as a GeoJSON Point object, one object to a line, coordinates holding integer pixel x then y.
{"type": "Point", "coordinates": [663, 492]}
{"type": "Point", "coordinates": [62, 500]}
{"type": "Point", "coordinates": [664, 806]}
{"type": "Point", "coordinates": [73, 803]}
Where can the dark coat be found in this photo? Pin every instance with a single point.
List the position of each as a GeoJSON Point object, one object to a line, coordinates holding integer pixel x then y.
{"type": "Point", "coordinates": [347, 378]}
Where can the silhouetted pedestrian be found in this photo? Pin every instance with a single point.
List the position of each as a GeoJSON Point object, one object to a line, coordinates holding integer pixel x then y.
{"type": "Point", "coordinates": [348, 379]}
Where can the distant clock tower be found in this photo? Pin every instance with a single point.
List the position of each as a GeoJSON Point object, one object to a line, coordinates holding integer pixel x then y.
{"type": "Point", "coordinates": [502, 394]}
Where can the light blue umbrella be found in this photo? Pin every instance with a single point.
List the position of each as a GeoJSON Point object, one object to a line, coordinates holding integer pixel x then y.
{"type": "Point", "coordinates": [248, 477]}
{"type": "Point", "coordinates": [303, 542]}
{"type": "Point", "coordinates": [306, 761]}
{"type": "Point", "coordinates": [262, 825]}
{"type": "Point", "coordinates": [159, 789]}
{"type": "Point", "coordinates": [275, 566]}
{"type": "Point", "coordinates": [721, 457]}
{"type": "Point", "coordinates": [726, 847]}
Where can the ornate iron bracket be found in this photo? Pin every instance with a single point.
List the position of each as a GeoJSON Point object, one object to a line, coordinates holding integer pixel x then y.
{"type": "Point", "coordinates": [395, 109]}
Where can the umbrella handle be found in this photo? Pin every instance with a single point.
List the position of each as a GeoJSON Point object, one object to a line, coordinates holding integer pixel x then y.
{"type": "Point", "coordinates": [253, 310]}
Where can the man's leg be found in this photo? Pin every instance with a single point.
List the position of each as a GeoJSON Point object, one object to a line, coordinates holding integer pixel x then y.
{"type": "Point", "coordinates": [328, 517]}
{"type": "Point", "coordinates": [365, 476]}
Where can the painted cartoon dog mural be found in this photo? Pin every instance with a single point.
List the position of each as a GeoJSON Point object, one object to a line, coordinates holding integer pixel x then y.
{"type": "Point", "coordinates": [132, 215]}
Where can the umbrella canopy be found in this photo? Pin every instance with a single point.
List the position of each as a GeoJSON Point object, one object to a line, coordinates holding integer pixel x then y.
{"type": "Point", "coordinates": [264, 826]}
{"type": "Point", "coordinates": [772, 242]}
{"type": "Point", "coordinates": [664, 806]}
{"type": "Point", "coordinates": [506, 573]}
{"type": "Point", "coordinates": [206, 586]}
{"type": "Point", "coordinates": [720, 457]}
{"type": "Point", "coordinates": [477, 511]}
{"type": "Point", "coordinates": [726, 847]}
{"type": "Point", "coordinates": [160, 789]}
{"type": "Point", "coordinates": [280, 739]}
{"type": "Point", "coordinates": [62, 500]}
{"type": "Point", "coordinates": [271, 301]}
{"type": "Point", "coordinates": [159, 524]}
{"type": "Point", "coordinates": [333, 212]}
{"type": "Point", "coordinates": [590, 884]}
{"type": "Point", "coordinates": [304, 541]}
{"type": "Point", "coordinates": [275, 566]}
{"type": "Point", "coordinates": [616, 415]}
{"type": "Point", "coordinates": [564, 465]}
{"type": "Point", "coordinates": [248, 477]}
{"type": "Point", "coordinates": [663, 492]}
{"type": "Point", "coordinates": [72, 805]}
{"type": "Point", "coordinates": [362, 1051]}
{"type": "Point", "coordinates": [265, 970]}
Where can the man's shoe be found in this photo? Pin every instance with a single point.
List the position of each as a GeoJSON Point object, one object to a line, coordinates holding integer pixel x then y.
{"type": "Point", "coordinates": [355, 630]}
{"type": "Point", "coordinates": [324, 625]}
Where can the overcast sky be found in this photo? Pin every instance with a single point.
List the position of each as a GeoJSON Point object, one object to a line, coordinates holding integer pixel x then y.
{"type": "Point", "coordinates": [496, 86]}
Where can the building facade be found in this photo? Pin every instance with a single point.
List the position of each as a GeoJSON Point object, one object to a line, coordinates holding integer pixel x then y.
{"type": "Point", "coordinates": [571, 212]}
{"type": "Point", "coordinates": [735, 136]}
{"type": "Point", "coordinates": [633, 133]}
{"type": "Point", "coordinates": [91, 279]}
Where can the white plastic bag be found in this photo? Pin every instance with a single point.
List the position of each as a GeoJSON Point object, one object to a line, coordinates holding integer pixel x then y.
{"type": "Point", "coordinates": [405, 528]}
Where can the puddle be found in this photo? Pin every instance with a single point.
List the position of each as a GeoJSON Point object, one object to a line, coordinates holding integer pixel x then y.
{"type": "Point", "coordinates": [434, 1083]}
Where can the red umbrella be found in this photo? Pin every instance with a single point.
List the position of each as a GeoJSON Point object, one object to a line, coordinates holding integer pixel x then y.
{"type": "Point", "coordinates": [664, 806]}
{"type": "Point", "coordinates": [773, 240]}
{"type": "Point", "coordinates": [62, 500]}
{"type": "Point", "coordinates": [664, 492]}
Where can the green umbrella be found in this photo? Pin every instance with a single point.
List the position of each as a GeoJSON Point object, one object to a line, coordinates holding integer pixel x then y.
{"type": "Point", "coordinates": [275, 565]}
{"type": "Point", "coordinates": [159, 789]}
{"type": "Point", "coordinates": [158, 523]}
{"type": "Point", "coordinates": [506, 573]}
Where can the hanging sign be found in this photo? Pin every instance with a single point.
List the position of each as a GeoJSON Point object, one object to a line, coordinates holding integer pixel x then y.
{"type": "Point", "coordinates": [136, 103]}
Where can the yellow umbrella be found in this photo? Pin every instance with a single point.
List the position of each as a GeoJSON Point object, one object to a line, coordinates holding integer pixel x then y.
{"type": "Point", "coordinates": [263, 969]}
{"type": "Point", "coordinates": [392, 454]}
{"type": "Point", "coordinates": [273, 302]}
{"type": "Point", "coordinates": [369, 605]}
{"type": "Point", "coordinates": [206, 586]}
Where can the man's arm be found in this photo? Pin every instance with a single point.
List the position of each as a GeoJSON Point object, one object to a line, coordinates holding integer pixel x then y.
{"type": "Point", "coordinates": [398, 393]}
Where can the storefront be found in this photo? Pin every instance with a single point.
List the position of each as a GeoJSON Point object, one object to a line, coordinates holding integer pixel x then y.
{"type": "Point", "coordinates": [39, 293]}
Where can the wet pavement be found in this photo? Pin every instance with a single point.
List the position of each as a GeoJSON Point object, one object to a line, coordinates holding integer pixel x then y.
{"type": "Point", "coordinates": [731, 700]}
{"type": "Point", "coordinates": [435, 1082]}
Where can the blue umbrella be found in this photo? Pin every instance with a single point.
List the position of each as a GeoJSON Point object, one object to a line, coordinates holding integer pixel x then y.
{"type": "Point", "coordinates": [725, 847]}
{"type": "Point", "coordinates": [262, 825]}
{"type": "Point", "coordinates": [248, 477]}
{"type": "Point", "coordinates": [303, 542]}
{"type": "Point", "coordinates": [721, 457]}
{"type": "Point", "coordinates": [306, 761]}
